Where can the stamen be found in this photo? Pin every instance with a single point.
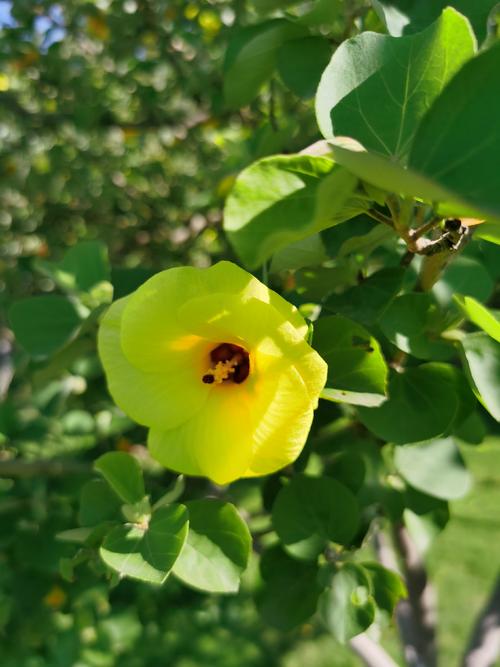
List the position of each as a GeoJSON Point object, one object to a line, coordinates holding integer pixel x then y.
{"type": "Point", "coordinates": [230, 362]}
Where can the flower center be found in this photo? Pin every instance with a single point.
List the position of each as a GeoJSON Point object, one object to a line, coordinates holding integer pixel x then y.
{"type": "Point", "coordinates": [230, 363]}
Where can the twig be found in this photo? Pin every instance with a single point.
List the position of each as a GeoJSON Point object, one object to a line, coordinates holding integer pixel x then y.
{"type": "Point", "coordinates": [380, 217]}
{"type": "Point", "coordinates": [427, 227]}
{"type": "Point", "coordinates": [484, 645]}
{"type": "Point", "coordinates": [370, 652]}
{"type": "Point", "coordinates": [20, 468]}
{"type": "Point", "coordinates": [272, 105]}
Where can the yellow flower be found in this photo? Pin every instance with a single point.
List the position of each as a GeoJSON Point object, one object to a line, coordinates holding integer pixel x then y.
{"type": "Point", "coordinates": [217, 366]}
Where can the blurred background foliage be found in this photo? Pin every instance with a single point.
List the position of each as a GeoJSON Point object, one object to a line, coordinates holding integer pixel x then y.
{"type": "Point", "coordinates": [114, 127]}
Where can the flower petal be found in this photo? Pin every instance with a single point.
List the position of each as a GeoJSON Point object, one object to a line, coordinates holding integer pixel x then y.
{"type": "Point", "coordinates": [282, 412]}
{"type": "Point", "coordinates": [260, 329]}
{"type": "Point", "coordinates": [216, 442]}
{"type": "Point", "coordinates": [150, 323]}
{"type": "Point", "coordinates": [231, 279]}
{"type": "Point", "coordinates": [151, 330]}
{"type": "Point", "coordinates": [160, 399]}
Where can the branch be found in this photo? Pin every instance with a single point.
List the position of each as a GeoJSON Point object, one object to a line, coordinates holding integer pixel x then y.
{"type": "Point", "coordinates": [414, 616]}
{"type": "Point", "coordinates": [417, 614]}
{"type": "Point", "coordinates": [370, 652]}
{"type": "Point", "coordinates": [20, 468]}
{"type": "Point", "coordinates": [484, 645]}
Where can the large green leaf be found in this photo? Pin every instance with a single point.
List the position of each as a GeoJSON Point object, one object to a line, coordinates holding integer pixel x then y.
{"type": "Point", "coordinates": [482, 361]}
{"type": "Point", "coordinates": [465, 275]}
{"type": "Point", "coordinates": [408, 16]}
{"type": "Point", "coordinates": [147, 553]}
{"type": "Point", "coordinates": [301, 62]}
{"type": "Point", "coordinates": [311, 511]}
{"type": "Point", "coordinates": [347, 607]}
{"type": "Point", "coordinates": [384, 173]}
{"type": "Point", "coordinates": [403, 75]}
{"type": "Point", "coordinates": [479, 315]}
{"type": "Point", "coordinates": [217, 547]}
{"type": "Point", "coordinates": [422, 404]}
{"type": "Point", "coordinates": [82, 267]}
{"type": "Point", "coordinates": [282, 199]}
{"type": "Point", "coordinates": [44, 324]}
{"type": "Point", "coordinates": [123, 473]}
{"type": "Point", "coordinates": [357, 372]}
{"type": "Point", "coordinates": [434, 467]}
{"type": "Point", "coordinates": [458, 141]}
{"type": "Point", "coordinates": [367, 301]}
{"type": "Point", "coordinates": [291, 590]}
{"type": "Point", "coordinates": [251, 58]}
{"type": "Point", "coordinates": [413, 322]}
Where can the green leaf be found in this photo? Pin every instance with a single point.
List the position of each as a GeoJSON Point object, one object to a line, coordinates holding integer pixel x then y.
{"type": "Point", "coordinates": [367, 301]}
{"type": "Point", "coordinates": [422, 404]}
{"type": "Point", "coordinates": [405, 75]}
{"type": "Point", "coordinates": [148, 553]}
{"type": "Point", "coordinates": [123, 473]}
{"type": "Point", "coordinates": [251, 58]}
{"type": "Point", "coordinates": [282, 199]}
{"type": "Point", "coordinates": [314, 283]}
{"type": "Point", "coordinates": [306, 252]}
{"type": "Point", "coordinates": [217, 547]}
{"type": "Point", "coordinates": [291, 589]}
{"type": "Point", "coordinates": [458, 141]}
{"type": "Point", "coordinates": [387, 586]}
{"type": "Point", "coordinates": [311, 511]}
{"type": "Point", "coordinates": [482, 362]}
{"type": "Point", "coordinates": [384, 173]}
{"type": "Point", "coordinates": [435, 467]}
{"type": "Point", "coordinates": [411, 16]}
{"type": "Point", "coordinates": [357, 372]}
{"type": "Point", "coordinates": [347, 607]}
{"type": "Point", "coordinates": [323, 12]}
{"type": "Point", "coordinates": [413, 323]}
{"type": "Point", "coordinates": [301, 63]}
{"type": "Point", "coordinates": [465, 275]}
{"type": "Point", "coordinates": [479, 315]}
{"type": "Point", "coordinates": [82, 267]}
{"type": "Point", "coordinates": [489, 231]}
{"type": "Point", "coordinates": [44, 324]}
{"type": "Point", "coordinates": [97, 503]}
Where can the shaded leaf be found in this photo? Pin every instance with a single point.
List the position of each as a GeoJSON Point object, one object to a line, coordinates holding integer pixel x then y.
{"type": "Point", "coordinates": [422, 404]}
{"type": "Point", "coordinates": [57, 323]}
{"type": "Point", "coordinates": [458, 141]}
{"type": "Point", "coordinates": [291, 590]}
{"type": "Point", "coordinates": [311, 511]}
{"type": "Point", "coordinates": [413, 323]}
{"type": "Point", "coordinates": [357, 372]}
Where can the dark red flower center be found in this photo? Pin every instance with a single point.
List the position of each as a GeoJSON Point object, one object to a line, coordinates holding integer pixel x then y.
{"type": "Point", "coordinates": [229, 363]}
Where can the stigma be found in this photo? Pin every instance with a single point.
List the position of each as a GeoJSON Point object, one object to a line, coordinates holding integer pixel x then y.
{"type": "Point", "coordinates": [230, 363]}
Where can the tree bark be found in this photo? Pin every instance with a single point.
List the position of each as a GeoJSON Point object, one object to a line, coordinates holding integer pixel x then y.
{"type": "Point", "coordinates": [484, 645]}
